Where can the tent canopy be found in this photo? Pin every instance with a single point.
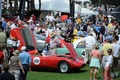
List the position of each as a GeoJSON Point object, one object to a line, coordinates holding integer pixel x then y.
{"type": "Point", "coordinates": [53, 5]}
{"type": "Point", "coordinates": [62, 6]}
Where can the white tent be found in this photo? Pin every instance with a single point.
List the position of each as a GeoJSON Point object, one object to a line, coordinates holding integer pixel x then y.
{"type": "Point", "coordinates": [84, 11]}
{"type": "Point", "coordinates": [54, 5]}
{"type": "Point", "coordinates": [62, 6]}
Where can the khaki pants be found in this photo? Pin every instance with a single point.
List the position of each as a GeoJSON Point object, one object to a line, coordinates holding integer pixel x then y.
{"type": "Point", "coordinates": [16, 73]}
{"type": "Point", "coordinates": [87, 54]}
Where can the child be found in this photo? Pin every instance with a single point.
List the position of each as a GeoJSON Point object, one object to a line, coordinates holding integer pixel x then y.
{"type": "Point", "coordinates": [95, 56]}
{"type": "Point", "coordinates": [108, 65]}
{"type": "Point", "coordinates": [116, 49]}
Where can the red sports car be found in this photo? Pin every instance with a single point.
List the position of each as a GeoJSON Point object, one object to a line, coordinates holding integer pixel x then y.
{"type": "Point", "coordinates": [63, 63]}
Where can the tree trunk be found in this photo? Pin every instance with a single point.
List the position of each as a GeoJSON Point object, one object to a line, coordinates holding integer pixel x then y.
{"type": "Point", "coordinates": [10, 9]}
{"type": "Point", "coordinates": [39, 5]}
{"type": "Point", "coordinates": [16, 6]}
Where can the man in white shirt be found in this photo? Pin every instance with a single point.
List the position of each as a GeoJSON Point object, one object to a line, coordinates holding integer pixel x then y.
{"type": "Point", "coordinates": [90, 42]}
{"type": "Point", "coordinates": [13, 42]}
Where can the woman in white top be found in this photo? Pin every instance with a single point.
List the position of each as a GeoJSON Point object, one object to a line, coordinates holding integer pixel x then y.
{"type": "Point", "coordinates": [108, 65]}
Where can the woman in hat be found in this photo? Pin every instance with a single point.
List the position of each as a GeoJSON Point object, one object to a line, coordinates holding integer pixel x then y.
{"type": "Point", "coordinates": [15, 65]}
{"type": "Point", "coordinates": [54, 42]}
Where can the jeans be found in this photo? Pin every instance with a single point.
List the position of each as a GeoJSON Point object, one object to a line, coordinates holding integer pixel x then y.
{"type": "Point", "coordinates": [23, 76]}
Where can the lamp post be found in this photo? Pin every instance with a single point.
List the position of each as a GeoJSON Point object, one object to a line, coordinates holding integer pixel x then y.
{"type": "Point", "coordinates": [1, 8]}
{"type": "Point", "coordinates": [72, 10]}
{"type": "Point", "coordinates": [22, 9]}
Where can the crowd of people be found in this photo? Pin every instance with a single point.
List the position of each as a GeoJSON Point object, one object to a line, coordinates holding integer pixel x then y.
{"type": "Point", "coordinates": [99, 27]}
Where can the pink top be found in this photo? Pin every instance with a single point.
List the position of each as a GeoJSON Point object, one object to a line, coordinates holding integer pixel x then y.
{"type": "Point", "coordinates": [95, 53]}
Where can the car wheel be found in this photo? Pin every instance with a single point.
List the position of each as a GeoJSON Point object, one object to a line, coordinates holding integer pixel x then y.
{"type": "Point", "coordinates": [64, 67]}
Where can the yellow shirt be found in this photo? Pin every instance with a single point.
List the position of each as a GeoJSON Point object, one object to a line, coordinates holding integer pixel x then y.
{"type": "Point", "coordinates": [106, 47]}
{"type": "Point", "coordinates": [110, 27]}
{"type": "Point", "coordinates": [78, 21]}
{"type": "Point", "coordinates": [75, 32]}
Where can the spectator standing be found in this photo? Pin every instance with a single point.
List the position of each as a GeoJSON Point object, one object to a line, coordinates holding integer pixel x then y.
{"type": "Point", "coordinates": [97, 28]}
{"type": "Point", "coordinates": [95, 59]}
{"type": "Point", "coordinates": [37, 29]}
{"type": "Point", "coordinates": [102, 31]}
{"type": "Point", "coordinates": [34, 18]}
{"type": "Point", "coordinates": [5, 73]}
{"type": "Point", "coordinates": [26, 62]}
{"type": "Point", "coordinates": [8, 28]}
{"type": "Point", "coordinates": [116, 49]}
{"type": "Point", "coordinates": [15, 65]}
{"type": "Point", "coordinates": [54, 42]}
{"type": "Point", "coordinates": [3, 37]}
{"type": "Point", "coordinates": [111, 27]}
{"type": "Point", "coordinates": [31, 24]}
{"type": "Point", "coordinates": [90, 42]}
{"type": "Point", "coordinates": [89, 27]}
{"type": "Point", "coordinates": [4, 24]}
{"type": "Point", "coordinates": [69, 31]}
{"type": "Point", "coordinates": [108, 65]}
{"type": "Point", "coordinates": [105, 54]}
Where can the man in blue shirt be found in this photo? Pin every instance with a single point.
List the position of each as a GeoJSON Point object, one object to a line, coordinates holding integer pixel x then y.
{"type": "Point", "coordinates": [26, 62]}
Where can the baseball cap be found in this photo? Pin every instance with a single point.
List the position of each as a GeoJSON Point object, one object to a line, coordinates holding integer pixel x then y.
{"type": "Point", "coordinates": [109, 37]}
{"type": "Point", "coordinates": [23, 48]}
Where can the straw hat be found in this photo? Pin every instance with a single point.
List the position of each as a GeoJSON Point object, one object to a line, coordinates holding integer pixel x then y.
{"type": "Point", "coordinates": [16, 52]}
{"type": "Point", "coordinates": [52, 34]}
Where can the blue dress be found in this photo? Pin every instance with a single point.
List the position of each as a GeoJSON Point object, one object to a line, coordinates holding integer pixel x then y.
{"type": "Point", "coordinates": [95, 62]}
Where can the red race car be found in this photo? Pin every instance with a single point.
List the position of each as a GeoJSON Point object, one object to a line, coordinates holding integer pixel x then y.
{"type": "Point", "coordinates": [63, 63]}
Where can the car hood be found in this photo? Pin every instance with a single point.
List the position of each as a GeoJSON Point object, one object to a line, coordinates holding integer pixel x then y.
{"type": "Point", "coordinates": [71, 49]}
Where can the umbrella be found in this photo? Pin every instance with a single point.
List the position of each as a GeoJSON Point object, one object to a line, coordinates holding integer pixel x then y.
{"type": "Point", "coordinates": [64, 17]}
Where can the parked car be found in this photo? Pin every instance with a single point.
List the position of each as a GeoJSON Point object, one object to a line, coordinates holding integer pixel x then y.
{"type": "Point", "coordinates": [79, 47]}
{"type": "Point", "coordinates": [40, 41]}
{"type": "Point", "coordinates": [64, 63]}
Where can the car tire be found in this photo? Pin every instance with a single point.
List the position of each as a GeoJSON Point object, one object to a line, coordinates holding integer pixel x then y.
{"type": "Point", "coordinates": [64, 67]}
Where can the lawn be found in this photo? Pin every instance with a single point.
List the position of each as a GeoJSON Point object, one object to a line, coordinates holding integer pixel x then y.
{"type": "Point", "coordinates": [83, 74]}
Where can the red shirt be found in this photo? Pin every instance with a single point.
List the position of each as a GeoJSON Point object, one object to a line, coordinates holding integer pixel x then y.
{"type": "Point", "coordinates": [1, 57]}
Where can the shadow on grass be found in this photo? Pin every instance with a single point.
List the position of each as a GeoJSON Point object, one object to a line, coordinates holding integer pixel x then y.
{"type": "Point", "coordinates": [56, 71]}
{"type": "Point", "coordinates": [114, 78]}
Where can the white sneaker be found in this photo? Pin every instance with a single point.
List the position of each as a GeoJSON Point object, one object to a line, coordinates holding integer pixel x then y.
{"type": "Point", "coordinates": [102, 77]}
{"type": "Point", "coordinates": [112, 74]}
{"type": "Point", "coordinates": [116, 74]}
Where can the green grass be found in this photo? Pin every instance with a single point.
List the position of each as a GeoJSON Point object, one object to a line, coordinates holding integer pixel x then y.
{"type": "Point", "coordinates": [83, 74]}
